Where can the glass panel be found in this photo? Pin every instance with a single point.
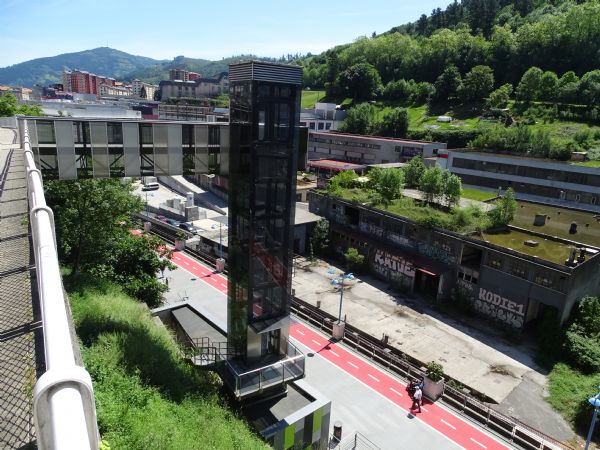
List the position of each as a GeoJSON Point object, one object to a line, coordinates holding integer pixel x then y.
{"type": "Point", "coordinates": [45, 132]}
{"type": "Point", "coordinates": [115, 133]}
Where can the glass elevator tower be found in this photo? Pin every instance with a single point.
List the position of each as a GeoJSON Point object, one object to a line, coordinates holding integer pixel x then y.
{"type": "Point", "coordinates": [264, 114]}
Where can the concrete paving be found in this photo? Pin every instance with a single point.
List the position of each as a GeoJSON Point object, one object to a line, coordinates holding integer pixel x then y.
{"type": "Point", "coordinates": [358, 406]}
{"type": "Point", "coordinates": [478, 358]}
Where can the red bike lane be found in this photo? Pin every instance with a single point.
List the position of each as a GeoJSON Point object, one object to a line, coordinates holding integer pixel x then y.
{"type": "Point", "coordinates": [453, 427]}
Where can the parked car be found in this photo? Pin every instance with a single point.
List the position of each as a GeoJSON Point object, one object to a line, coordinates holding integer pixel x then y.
{"type": "Point", "coordinates": [188, 227]}
{"type": "Point", "coordinates": [173, 222]}
{"type": "Point", "coordinates": [161, 218]}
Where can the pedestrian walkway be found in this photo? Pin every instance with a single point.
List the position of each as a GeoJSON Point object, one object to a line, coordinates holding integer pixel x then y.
{"type": "Point", "coordinates": [364, 397]}
{"type": "Point", "coordinates": [18, 371]}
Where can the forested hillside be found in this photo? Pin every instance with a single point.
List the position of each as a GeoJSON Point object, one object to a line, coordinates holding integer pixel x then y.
{"type": "Point", "coordinates": [539, 58]}
{"type": "Point", "coordinates": [102, 61]}
{"type": "Point", "coordinates": [508, 36]}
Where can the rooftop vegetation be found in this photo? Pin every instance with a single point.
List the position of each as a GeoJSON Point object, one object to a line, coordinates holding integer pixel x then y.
{"type": "Point", "coordinates": [546, 249]}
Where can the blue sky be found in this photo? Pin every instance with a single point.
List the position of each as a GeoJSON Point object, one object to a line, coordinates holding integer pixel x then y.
{"type": "Point", "coordinates": [195, 28]}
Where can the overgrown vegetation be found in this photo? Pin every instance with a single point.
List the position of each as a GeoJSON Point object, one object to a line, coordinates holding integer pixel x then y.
{"type": "Point", "coordinates": [146, 395]}
{"type": "Point", "coordinates": [93, 223]}
{"type": "Point", "coordinates": [572, 352]}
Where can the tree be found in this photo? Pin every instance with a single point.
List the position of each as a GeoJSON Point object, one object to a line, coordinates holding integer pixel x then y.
{"type": "Point", "coordinates": [360, 120]}
{"type": "Point", "coordinates": [548, 86]}
{"type": "Point", "coordinates": [387, 183]}
{"type": "Point", "coordinates": [452, 188]}
{"type": "Point", "coordinates": [414, 171]}
{"type": "Point", "coordinates": [10, 107]}
{"type": "Point", "coordinates": [345, 179]}
{"type": "Point", "coordinates": [504, 210]}
{"type": "Point", "coordinates": [319, 238]}
{"type": "Point", "coordinates": [360, 81]}
{"type": "Point", "coordinates": [477, 84]}
{"type": "Point", "coordinates": [541, 143]}
{"type": "Point", "coordinates": [529, 86]}
{"type": "Point", "coordinates": [93, 222]}
{"type": "Point", "coordinates": [394, 123]}
{"type": "Point", "coordinates": [500, 97]}
{"type": "Point", "coordinates": [432, 183]}
{"type": "Point", "coordinates": [87, 216]}
{"type": "Point", "coordinates": [590, 87]}
{"type": "Point", "coordinates": [447, 83]}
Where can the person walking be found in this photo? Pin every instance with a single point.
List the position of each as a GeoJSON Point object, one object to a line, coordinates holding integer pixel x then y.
{"type": "Point", "coordinates": [417, 396]}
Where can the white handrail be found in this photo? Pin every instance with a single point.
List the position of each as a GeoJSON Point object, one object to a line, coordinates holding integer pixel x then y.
{"type": "Point", "coordinates": [63, 400]}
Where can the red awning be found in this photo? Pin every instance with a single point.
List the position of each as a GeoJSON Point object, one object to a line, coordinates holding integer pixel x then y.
{"type": "Point", "coordinates": [425, 271]}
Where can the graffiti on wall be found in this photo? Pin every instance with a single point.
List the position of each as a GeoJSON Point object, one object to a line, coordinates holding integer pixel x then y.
{"type": "Point", "coordinates": [500, 308]}
{"type": "Point", "coordinates": [385, 262]}
{"type": "Point", "coordinates": [400, 240]}
{"type": "Point", "coordinates": [371, 229]}
{"type": "Point", "coordinates": [435, 253]}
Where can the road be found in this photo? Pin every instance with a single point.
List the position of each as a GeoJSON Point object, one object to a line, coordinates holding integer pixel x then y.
{"type": "Point", "coordinates": [456, 432]}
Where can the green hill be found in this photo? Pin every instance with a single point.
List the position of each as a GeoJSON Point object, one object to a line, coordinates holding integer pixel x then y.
{"type": "Point", "coordinates": [101, 61]}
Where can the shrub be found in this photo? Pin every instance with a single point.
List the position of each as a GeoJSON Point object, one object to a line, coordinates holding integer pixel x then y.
{"type": "Point", "coordinates": [354, 260]}
{"type": "Point", "coordinates": [435, 371]}
{"type": "Point", "coordinates": [583, 352]}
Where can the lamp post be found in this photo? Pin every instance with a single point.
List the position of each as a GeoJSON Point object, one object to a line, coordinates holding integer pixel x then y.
{"type": "Point", "coordinates": [338, 329]}
{"type": "Point", "coordinates": [595, 402]}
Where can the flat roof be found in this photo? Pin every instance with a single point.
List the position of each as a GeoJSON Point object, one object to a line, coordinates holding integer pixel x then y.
{"type": "Point", "coordinates": [517, 157]}
{"type": "Point", "coordinates": [333, 133]}
{"type": "Point", "coordinates": [333, 164]}
{"type": "Point", "coordinates": [388, 165]}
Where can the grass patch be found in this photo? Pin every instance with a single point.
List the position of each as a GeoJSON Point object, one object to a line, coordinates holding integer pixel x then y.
{"type": "Point", "coordinates": [309, 98]}
{"type": "Point", "coordinates": [476, 194]}
{"type": "Point", "coordinates": [546, 249]}
{"type": "Point", "coordinates": [589, 164]}
{"type": "Point", "coordinates": [146, 395]}
{"type": "Point", "coordinates": [568, 388]}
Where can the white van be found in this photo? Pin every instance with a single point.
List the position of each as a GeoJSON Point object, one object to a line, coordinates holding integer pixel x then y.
{"type": "Point", "coordinates": [150, 187]}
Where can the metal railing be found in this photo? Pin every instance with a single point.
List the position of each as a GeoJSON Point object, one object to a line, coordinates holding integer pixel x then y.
{"type": "Point", "coordinates": [399, 363]}
{"type": "Point", "coordinates": [63, 400]}
{"type": "Point", "coordinates": [355, 442]}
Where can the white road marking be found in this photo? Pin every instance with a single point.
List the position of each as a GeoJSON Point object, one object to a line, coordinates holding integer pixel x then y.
{"type": "Point", "coordinates": [334, 353]}
{"type": "Point", "coordinates": [451, 426]}
{"type": "Point", "coordinates": [316, 342]}
{"type": "Point", "coordinates": [224, 286]}
{"type": "Point", "coordinates": [395, 391]}
{"type": "Point", "coordinates": [186, 263]}
{"type": "Point", "coordinates": [300, 332]}
{"type": "Point", "coordinates": [375, 378]}
{"type": "Point", "coordinates": [424, 409]}
{"type": "Point", "coordinates": [478, 443]}
{"type": "Point", "coordinates": [353, 365]}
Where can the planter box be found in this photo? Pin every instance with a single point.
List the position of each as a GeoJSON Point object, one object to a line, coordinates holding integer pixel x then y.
{"type": "Point", "coordinates": [338, 330]}
{"type": "Point", "coordinates": [433, 389]}
{"type": "Point", "coordinates": [179, 244]}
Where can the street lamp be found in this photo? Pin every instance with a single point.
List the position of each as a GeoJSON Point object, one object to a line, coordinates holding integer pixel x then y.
{"type": "Point", "coordinates": [595, 402]}
{"type": "Point", "coordinates": [340, 280]}
{"type": "Point", "coordinates": [338, 329]}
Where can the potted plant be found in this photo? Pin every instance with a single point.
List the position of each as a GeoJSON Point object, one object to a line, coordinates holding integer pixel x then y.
{"type": "Point", "coordinates": [180, 238]}
{"type": "Point", "coordinates": [434, 381]}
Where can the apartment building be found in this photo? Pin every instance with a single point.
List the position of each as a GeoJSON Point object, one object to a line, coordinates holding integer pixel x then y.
{"type": "Point", "coordinates": [198, 88]}
{"type": "Point", "coordinates": [367, 149]}
{"type": "Point", "coordinates": [564, 181]}
{"type": "Point", "coordinates": [83, 82]}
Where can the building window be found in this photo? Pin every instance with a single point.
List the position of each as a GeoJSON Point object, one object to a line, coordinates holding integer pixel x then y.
{"type": "Point", "coordinates": [327, 126]}
{"type": "Point", "coordinates": [321, 126]}
{"type": "Point", "coordinates": [115, 132]}
{"type": "Point", "coordinates": [495, 261]}
{"type": "Point", "coordinates": [519, 269]}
